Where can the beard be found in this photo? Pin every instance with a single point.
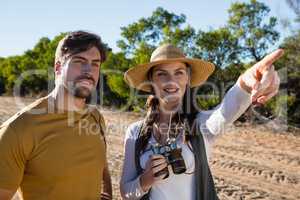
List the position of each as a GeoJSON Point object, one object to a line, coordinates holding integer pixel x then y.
{"type": "Point", "coordinates": [81, 91]}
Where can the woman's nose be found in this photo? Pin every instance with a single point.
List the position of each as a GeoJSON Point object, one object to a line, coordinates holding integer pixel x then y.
{"type": "Point", "coordinates": [171, 79]}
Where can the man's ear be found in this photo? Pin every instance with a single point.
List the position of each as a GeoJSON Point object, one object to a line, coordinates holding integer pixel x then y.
{"type": "Point", "coordinates": [57, 68]}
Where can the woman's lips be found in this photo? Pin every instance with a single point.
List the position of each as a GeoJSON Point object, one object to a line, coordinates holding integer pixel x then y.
{"type": "Point", "coordinates": [171, 90]}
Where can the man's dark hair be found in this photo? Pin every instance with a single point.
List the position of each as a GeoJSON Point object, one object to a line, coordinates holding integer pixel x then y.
{"type": "Point", "coordinates": [79, 41]}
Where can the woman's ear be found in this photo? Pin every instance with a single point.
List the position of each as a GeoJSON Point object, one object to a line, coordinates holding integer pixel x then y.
{"type": "Point", "coordinates": [57, 68]}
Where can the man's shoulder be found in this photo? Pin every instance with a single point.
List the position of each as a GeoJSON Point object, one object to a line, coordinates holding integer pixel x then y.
{"type": "Point", "coordinates": [96, 111]}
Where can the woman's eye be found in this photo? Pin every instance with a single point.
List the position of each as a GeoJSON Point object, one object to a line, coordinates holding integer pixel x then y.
{"type": "Point", "coordinates": [161, 74]}
{"type": "Point", "coordinates": [179, 73]}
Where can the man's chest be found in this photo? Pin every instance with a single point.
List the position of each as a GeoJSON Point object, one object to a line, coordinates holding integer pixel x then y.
{"type": "Point", "coordinates": [63, 151]}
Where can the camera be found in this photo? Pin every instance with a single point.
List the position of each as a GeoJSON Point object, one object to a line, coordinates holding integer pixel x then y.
{"type": "Point", "coordinates": [173, 155]}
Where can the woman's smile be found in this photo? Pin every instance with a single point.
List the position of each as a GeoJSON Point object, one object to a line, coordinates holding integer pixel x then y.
{"type": "Point", "coordinates": [171, 90]}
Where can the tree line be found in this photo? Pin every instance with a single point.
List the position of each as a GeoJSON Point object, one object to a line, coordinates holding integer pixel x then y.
{"type": "Point", "coordinates": [246, 38]}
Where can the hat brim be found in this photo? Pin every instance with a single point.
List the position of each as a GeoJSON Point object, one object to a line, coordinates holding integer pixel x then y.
{"type": "Point", "coordinates": [136, 77]}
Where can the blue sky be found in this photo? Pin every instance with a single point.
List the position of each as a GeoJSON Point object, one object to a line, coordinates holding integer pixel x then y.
{"type": "Point", "coordinates": [23, 23]}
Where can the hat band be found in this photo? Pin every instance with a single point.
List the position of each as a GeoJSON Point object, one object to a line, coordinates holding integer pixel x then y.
{"type": "Point", "coordinates": [170, 55]}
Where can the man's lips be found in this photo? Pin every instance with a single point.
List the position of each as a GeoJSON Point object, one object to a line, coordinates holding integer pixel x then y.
{"type": "Point", "coordinates": [86, 81]}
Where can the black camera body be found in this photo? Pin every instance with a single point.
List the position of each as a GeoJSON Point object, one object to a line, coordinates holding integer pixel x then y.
{"type": "Point", "coordinates": [173, 155]}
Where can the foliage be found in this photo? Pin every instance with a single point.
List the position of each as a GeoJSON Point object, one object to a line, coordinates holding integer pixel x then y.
{"type": "Point", "coordinates": [246, 38]}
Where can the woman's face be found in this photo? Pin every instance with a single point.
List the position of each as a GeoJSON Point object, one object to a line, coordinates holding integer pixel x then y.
{"type": "Point", "coordinates": [169, 82]}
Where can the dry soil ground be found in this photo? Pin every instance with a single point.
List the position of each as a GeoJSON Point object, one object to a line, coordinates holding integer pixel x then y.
{"type": "Point", "coordinates": [247, 162]}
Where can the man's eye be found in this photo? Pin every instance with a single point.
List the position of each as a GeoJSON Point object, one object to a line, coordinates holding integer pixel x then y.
{"type": "Point", "coordinates": [78, 61]}
{"type": "Point", "coordinates": [96, 64]}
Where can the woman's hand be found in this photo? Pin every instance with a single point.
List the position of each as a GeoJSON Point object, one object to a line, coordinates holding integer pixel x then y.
{"type": "Point", "coordinates": [262, 80]}
{"type": "Point", "coordinates": [155, 164]}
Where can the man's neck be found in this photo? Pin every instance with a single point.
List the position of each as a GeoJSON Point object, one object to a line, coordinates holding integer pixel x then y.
{"type": "Point", "coordinates": [63, 100]}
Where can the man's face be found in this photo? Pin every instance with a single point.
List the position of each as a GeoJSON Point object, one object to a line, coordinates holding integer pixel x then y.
{"type": "Point", "coordinates": [80, 72]}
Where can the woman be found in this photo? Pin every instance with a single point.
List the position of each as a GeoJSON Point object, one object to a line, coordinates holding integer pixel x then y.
{"type": "Point", "coordinates": [167, 153]}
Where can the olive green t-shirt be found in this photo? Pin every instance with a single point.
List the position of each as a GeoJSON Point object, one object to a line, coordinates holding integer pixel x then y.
{"type": "Point", "coordinates": [51, 154]}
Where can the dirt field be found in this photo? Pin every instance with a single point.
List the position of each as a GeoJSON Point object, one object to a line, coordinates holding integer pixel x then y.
{"type": "Point", "coordinates": [247, 163]}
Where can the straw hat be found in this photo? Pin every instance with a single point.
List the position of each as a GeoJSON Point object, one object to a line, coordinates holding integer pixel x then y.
{"type": "Point", "coordinates": [200, 70]}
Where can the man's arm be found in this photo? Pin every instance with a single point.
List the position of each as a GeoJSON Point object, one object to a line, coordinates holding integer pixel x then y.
{"type": "Point", "coordinates": [106, 193]}
{"type": "Point", "coordinates": [12, 160]}
{"type": "Point", "coordinates": [106, 185]}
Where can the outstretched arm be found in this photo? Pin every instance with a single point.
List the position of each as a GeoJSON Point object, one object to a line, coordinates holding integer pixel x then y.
{"type": "Point", "coordinates": [257, 85]}
{"type": "Point", "coordinates": [234, 104]}
{"type": "Point", "coordinates": [261, 82]}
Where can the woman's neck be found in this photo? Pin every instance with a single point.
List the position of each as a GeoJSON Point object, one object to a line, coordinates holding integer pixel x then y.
{"type": "Point", "coordinates": [166, 111]}
{"type": "Point", "coordinates": [161, 128]}
{"type": "Point", "coordinates": [164, 117]}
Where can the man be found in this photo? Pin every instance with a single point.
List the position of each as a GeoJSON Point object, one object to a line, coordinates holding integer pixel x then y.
{"type": "Point", "coordinates": [55, 148]}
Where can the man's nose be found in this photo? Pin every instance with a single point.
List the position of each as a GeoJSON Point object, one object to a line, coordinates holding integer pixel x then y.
{"type": "Point", "coordinates": [85, 68]}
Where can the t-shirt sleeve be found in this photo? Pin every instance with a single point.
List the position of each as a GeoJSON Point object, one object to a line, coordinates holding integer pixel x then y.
{"type": "Point", "coordinates": [101, 121]}
{"type": "Point", "coordinates": [12, 158]}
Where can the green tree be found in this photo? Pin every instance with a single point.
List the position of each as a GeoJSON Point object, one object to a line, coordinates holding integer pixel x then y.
{"type": "Point", "coordinates": [245, 39]}
{"type": "Point", "coordinates": [250, 24]}
{"type": "Point", "coordinates": [291, 64]}
{"type": "Point", "coordinates": [140, 39]}
{"type": "Point", "coordinates": [25, 67]}
{"type": "Point", "coordinates": [162, 26]}
{"type": "Point", "coordinates": [218, 46]}
{"type": "Point", "coordinates": [254, 29]}
{"type": "Point", "coordinates": [113, 70]}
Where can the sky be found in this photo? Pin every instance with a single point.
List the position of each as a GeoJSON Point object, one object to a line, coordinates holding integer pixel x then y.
{"type": "Point", "coordinates": [23, 23]}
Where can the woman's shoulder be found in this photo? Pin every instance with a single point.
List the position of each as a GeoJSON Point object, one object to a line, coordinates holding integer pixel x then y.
{"type": "Point", "coordinates": [133, 129]}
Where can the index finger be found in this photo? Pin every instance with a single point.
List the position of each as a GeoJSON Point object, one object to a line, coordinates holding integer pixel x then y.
{"type": "Point", "coordinates": [271, 58]}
